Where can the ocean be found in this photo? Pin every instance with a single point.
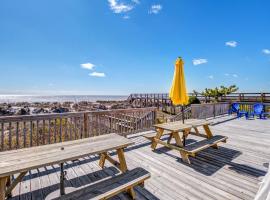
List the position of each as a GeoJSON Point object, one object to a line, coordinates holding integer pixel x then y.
{"type": "Point", "coordinates": [60, 98]}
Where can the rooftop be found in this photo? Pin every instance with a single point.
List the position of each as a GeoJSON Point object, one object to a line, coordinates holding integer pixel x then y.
{"type": "Point", "coordinates": [231, 172]}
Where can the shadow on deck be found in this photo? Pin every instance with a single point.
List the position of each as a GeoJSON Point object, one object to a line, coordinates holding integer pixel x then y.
{"type": "Point", "coordinates": [231, 172]}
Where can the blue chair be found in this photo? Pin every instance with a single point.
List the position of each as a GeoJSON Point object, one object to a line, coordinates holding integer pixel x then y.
{"type": "Point", "coordinates": [235, 108]}
{"type": "Point", "coordinates": [258, 110]}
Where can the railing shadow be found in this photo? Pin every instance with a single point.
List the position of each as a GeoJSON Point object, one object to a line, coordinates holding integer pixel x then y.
{"type": "Point", "coordinates": [81, 181]}
{"type": "Point", "coordinates": [223, 121]}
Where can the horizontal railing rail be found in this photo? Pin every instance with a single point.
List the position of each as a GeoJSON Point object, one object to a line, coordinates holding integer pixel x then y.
{"type": "Point", "coordinates": [208, 110]}
{"type": "Point", "coordinates": [179, 116]}
{"type": "Point", "coordinates": [34, 130]}
{"type": "Point", "coordinates": [164, 97]}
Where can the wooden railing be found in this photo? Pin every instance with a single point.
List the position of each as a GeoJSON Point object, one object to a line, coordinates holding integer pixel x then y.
{"type": "Point", "coordinates": [208, 110]}
{"type": "Point", "coordinates": [161, 99]}
{"type": "Point", "coordinates": [179, 116]}
{"type": "Point", "coordinates": [203, 111]}
{"type": "Point", "coordinates": [34, 130]}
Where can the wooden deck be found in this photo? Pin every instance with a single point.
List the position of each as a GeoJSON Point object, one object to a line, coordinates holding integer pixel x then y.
{"type": "Point", "coordinates": [231, 172]}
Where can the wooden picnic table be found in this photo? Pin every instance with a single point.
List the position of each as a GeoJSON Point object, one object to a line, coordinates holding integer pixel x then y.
{"type": "Point", "coordinates": [23, 160]}
{"type": "Point", "coordinates": [175, 129]}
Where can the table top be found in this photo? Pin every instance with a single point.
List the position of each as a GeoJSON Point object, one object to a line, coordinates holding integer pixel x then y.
{"type": "Point", "coordinates": [21, 160]}
{"type": "Point", "coordinates": [179, 126]}
{"type": "Point", "coordinates": [197, 122]}
{"type": "Point", "coordinates": [173, 126]}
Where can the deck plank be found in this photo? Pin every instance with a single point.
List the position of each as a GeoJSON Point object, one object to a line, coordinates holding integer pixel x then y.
{"type": "Point", "coordinates": [231, 172]}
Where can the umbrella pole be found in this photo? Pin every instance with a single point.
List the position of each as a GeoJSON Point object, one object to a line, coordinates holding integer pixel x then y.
{"type": "Point", "coordinates": [183, 120]}
{"type": "Point", "coordinates": [183, 114]}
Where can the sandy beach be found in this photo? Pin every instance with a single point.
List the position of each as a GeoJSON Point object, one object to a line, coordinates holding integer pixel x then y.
{"type": "Point", "coordinates": [33, 108]}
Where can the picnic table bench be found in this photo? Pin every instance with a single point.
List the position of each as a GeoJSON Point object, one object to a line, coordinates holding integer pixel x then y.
{"type": "Point", "coordinates": [173, 129]}
{"type": "Point", "coordinates": [23, 160]}
{"type": "Point", "coordinates": [109, 188]}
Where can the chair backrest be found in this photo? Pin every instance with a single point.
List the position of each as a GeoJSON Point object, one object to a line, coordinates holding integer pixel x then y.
{"type": "Point", "coordinates": [235, 107]}
{"type": "Point", "coordinates": [258, 108]}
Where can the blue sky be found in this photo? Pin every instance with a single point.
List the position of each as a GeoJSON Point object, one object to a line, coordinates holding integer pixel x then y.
{"type": "Point", "coordinates": [126, 46]}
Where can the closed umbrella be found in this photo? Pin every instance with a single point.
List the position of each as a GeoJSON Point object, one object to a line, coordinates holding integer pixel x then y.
{"type": "Point", "coordinates": [178, 93]}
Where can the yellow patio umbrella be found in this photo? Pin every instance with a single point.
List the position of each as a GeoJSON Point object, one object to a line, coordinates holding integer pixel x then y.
{"type": "Point", "coordinates": [178, 93]}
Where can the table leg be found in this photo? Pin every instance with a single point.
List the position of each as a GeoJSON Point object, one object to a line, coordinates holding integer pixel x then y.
{"type": "Point", "coordinates": [170, 138]}
{"type": "Point", "coordinates": [185, 157]}
{"type": "Point", "coordinates": [3, 182]}
{"type": "Point", "coordinates": [12, 185]}
{"type": "Point", "coordinates": [209, 134]}
{"type": "Point", "coordinates": [177, 139]}
{"type": "Point", "coordinates": [158, 136]}
{"type": "Point", "coordinates": [196, 130]}
{"type": "Point", "coordinates": [207, 131]}
{"type": "Point", "coordinates": [102, 159]}
{"type": "Point", "coordinates": [122, 160]}
{"type": "Point", "coordinates": [123, 168]}
{"type": "Point", "coordinates": [8, 183]}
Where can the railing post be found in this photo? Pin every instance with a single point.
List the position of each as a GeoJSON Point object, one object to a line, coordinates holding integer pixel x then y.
{"type": "Point", "coordinates": [214, 110]}
{"type": "Point", "coordinates": [140, 100]}
{"type": "Point", "coordinates": [162, 102]}
{"type": "Point", "coordinates": [154, 99]}
{"type": "Point", "coordinates": [158, 101]}
{"type": "Point", "coordinates": [262, 97]}
{"type": "Point", "coordinates": [85, 124]}
{"type": "Point", "coordinates": [154, 116]}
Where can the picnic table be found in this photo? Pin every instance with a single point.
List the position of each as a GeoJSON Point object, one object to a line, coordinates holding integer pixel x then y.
{"type": "Point", "coordinates": [179, 132]}
{"type": "Point", "coordinates": [23, 160]}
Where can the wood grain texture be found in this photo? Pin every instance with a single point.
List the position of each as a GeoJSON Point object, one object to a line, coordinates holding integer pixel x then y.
{"type": "Point", "coordinates": [110, 187]}
{"type": "Point", "coordinates": [233, 172]}
{"type": "Point", "coordinates": [30, 158]}
{"type": "Point", "coordinates": [3, 181]}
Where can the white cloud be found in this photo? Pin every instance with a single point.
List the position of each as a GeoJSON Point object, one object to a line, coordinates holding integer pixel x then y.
{"type": "Point", "coordinates": [266, 51]}
{"type": "Point", "coordinates": [155, 9]}
{"type": "Point", "coordinates": [88, 66]}
{"type": "Point", "coordinates": [211, 77]}
{"type": "Point", "coordinates": [97, 74]}
{"type": "Point", "coordinates": [199, 61]}
{"type": "Point", "coordinates": [117, 7]}
{"type": "Point", "coordinates": [231, 43]}
{"type": "Point", "coordinates": [231, 75]}
{"type": "Point", "coordinates": [126, 17]}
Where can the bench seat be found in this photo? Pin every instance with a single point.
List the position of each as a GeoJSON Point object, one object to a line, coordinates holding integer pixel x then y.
{"type": "Point", "coordinates": [194, 147]}
{"type": "Point", "coordinates": [109, 187]}
{"type": "Point", "coordinates": [190, 149]}
{"type": "Point", "coordinates": [151, 135]}
{"type": "Point", "coordinates": [204, 144]}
